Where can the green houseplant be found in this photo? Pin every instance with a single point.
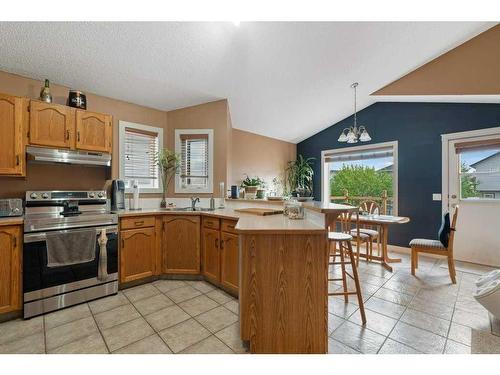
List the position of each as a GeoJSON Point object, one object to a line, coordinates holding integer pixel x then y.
{"type": "Point", "coordinates": [168, 162]}
{"type": "Point", "coordinates": [300, 176]}
{"type": "Point", "coordinates": [251, 186]}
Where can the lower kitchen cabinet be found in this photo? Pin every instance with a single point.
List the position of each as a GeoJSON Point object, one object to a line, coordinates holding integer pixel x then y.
{"type": "Point", "coordinates": [229, 264]}
{"type": "Point", "coordinates": [10, 268]}
{"type": "Point", "coordinates": [181, 245]}
{"type": "Point", "coordinates": [220, 253]}
{"type": "Point", "coordinates": [211, 262]}
{"type": "Point", "coordinates": [137, 254]}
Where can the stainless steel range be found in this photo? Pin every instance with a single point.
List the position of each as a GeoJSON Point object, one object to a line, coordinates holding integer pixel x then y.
{"type": "Point", "coordinates": [60, 269]}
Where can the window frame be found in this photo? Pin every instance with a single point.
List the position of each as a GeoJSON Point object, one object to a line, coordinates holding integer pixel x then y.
{"type": "Point", "coordinates": [122, 125]}
{"type": "Point", "coordinates": [325, 182]}
{"type": "Point", "coordinates": [178, 189]}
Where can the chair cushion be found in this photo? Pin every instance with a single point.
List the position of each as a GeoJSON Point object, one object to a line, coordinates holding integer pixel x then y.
{"type": "Point", "coordinates": [371, 232]}
{"type": "Point", "coordinates": [339, 236]}
{"type": "Point", "coordinates": [444, 230]}
{"type": "Point", "coordinates": [362, 235]}
{"type": "Point", "coordinates": [430, 244]}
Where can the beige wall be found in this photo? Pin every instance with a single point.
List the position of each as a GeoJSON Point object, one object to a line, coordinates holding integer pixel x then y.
{"type": "Point", "coordinates": [213, 115]}
{"type": "Point", "coordinates": [236, 152]}
{"type": "Point", "coordinates": [469, 69]}
{"type": "Point", "coordinates": [257, 155]}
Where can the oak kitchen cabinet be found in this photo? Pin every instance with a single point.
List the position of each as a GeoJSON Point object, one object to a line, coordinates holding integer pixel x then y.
{"type": "Point", "coordinates": [51, 125]}
{"type": "Point", "coordinates": [138, 249]}
{"type": "Point", "coordinates": [93, 131]}
{"type": "Point", "coordinates": [181, 244]}
{"type": "Point", "coordinates": [10, 268]}
{"type": "Point", "coordinates": [59, 126]}
{"type": "Point", "coordinates": [220, 253]}
{"type": "Point", "coordinates": [13, 117]}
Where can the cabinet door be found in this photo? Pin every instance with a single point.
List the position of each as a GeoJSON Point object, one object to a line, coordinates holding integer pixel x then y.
{"type": "Point", "coordinates": [137, 254]}
{"type": "Point", "coordinates": [51, 125]}
{"type": "Point", "coordinates": [229, 261]}
{"type": "Point", "coordinates": [12, 112]}
{"type": "Point", "coordinates": [93, 131]}
{"type": "Point", "coordinates": [10, 268]}
{"type": "Point", "coordinates": [181, 246]}
{"type": "Point", "coordinates": [211, 256]}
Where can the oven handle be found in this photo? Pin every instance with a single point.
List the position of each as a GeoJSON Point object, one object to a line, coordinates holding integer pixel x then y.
{"type": "Point", "coordinates": [42, 236]}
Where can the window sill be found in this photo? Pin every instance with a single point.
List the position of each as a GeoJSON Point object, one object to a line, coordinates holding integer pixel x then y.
{"type": "Point", "coordinates": [145, 191]}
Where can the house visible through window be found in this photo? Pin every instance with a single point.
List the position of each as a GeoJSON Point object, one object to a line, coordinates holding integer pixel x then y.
{"type": "Point", "coordinates": [139, 145]}
{"type": "Point", "coordinates": [195, 148]}
{"type": "Point", "coordinates": [362, 173]}
{"type": "Point", "coordinates": [479, 169]}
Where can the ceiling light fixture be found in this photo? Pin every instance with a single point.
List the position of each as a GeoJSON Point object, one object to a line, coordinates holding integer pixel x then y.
{"type": "Point", "coordinates": [354, 133]}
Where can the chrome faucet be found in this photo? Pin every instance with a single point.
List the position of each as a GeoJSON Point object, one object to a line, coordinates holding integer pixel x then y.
{"type": "Point", "coordinates": [194, 200]}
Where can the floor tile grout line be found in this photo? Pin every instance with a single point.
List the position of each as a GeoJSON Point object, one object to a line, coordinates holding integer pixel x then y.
{"type": "Point", "coordinates": [99, 329]}
{"type": "Point", "coordinates": [144, 318]}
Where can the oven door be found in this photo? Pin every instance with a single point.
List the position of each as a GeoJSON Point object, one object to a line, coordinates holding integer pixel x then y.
{"type": "Point", "coordinates": [40, 281]}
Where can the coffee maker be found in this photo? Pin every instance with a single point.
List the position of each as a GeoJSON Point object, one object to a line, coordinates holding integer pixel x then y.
{"type": "Point", "coordinates": [118, 195]}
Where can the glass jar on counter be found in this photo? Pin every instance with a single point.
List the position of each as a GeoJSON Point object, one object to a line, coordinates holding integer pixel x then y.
{"type": "Point", "coordinates": [294, 210]}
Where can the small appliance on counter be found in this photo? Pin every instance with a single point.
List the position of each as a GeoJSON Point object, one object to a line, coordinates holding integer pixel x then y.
{"type": "Point", "coordinates": [117, 195]}
{"type": "Point", "coordinates": [11, 207]}
{"type": "Point", "coordinates": [235, 192]}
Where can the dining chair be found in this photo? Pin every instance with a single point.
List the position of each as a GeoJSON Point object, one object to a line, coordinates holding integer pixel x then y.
{"type": "Point", "coordinates": [436, 247]}
{"type": "Point", "coordinates": [344, 239]}
{"type": "Point", "coordinates": [373, 231]}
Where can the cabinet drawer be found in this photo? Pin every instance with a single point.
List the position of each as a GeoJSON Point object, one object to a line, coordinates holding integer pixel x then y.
{"type": "Point", "coordinates": [137, 222]}
{"type": "Point", "coordinates": [228, 226]}
{"type": "Point", "coordinates": [211, 222]}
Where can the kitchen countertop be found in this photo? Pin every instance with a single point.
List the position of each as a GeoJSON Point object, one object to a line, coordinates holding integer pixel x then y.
{"type": "Point", "coordinates": [247, 223]}
{"type": "Point", "coordinates": [11, 220]}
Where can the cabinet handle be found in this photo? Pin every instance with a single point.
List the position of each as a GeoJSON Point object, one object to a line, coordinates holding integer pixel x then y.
{"type": "Point", "coordinates": [137, 223]}
{"type": "Point", "coordinates": [222, 244]}
{"type": "Point", "coordinates": [78, 136]}
{"type": "Point", "coordinates": [230, 226]}
{"type": "Point", "coordinates": [18, 159]}
{"type": "Point", "coordinates": [15, 242]}
{"type": "Point", "coordinates": [67, 135]}
{"type": "Point", "coordinates": [217, 243]}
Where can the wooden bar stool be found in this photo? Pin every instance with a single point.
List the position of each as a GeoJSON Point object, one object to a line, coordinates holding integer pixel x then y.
{"type": "Point", "coordinates": [346, 255]}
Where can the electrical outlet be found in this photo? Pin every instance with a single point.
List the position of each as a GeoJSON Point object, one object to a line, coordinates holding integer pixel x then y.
{"type": "Point", "coordinates": [436, 196]}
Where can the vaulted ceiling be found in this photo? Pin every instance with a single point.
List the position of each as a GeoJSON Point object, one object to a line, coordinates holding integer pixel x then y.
{"type": "Point", "coordinates": [283, 80]}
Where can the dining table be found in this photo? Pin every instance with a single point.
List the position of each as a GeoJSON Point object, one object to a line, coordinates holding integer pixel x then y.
{"type": "Point", "coordinates": [382, 222]}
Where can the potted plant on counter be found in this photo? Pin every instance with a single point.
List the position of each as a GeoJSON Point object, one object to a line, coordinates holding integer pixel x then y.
{"type": "Point", "coordinates": [300, 177]}
{"type": "Point", "coordinates": [168, 162]}
{"type": "Point", "coordinates": [251, 186]}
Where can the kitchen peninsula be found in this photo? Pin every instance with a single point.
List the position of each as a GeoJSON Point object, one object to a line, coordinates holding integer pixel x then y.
{"type": "Point", "coordinates": [281, 263]}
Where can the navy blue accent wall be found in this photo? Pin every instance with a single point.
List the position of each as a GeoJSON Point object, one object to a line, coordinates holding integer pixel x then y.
{"type": "Point", "coordinates": [417, 127]}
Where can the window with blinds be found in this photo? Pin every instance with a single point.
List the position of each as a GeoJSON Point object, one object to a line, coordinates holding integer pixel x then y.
{"type": "Point", "coordinates": [194, 147]}
{"type": "Point", "coordinates": [479, 169]}
{"type": "Point", "coordinates": [194, 160]}
{"type": "Point", "coordinates": [362, 173]}
{"type": "Point", "coordinates": [139, 147]}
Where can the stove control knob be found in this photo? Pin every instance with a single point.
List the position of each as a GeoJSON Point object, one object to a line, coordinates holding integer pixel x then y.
{"type": "Point", "coordinates": [33, 195]}
{"type": "Point", "coordinates": [45, 196]}
{"type": "Point", "coordinates": [100, 194]}
{"type": "Point", "coordinates": [91, 195]}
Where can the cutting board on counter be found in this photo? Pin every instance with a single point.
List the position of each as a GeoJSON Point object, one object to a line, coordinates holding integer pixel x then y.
{"type": "Point", "coordinates": [260, 211]}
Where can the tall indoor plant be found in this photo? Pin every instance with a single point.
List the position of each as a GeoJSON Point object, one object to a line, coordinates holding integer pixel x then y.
{"type": "Point", "coordinates": [168, 162]}
{"type": "Point", "coordinates": [300, 176]}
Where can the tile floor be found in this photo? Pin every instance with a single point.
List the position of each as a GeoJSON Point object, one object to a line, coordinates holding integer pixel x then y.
{"type": "Point", "coordinates": [406, 314]}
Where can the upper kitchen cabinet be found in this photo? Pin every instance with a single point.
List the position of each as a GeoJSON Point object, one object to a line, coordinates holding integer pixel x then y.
{"type": "Point", "coordinates": [93, 131]}
{"type": "Point", "coordinates": [13, 115]}
{"type": "Point", "coordinates": [51, 125]}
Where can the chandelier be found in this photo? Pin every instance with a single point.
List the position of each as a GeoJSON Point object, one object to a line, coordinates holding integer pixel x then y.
{"type": "Point", "coordinates": [354, 133]}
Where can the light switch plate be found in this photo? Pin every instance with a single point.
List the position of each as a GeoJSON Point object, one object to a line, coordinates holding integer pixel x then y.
{"type": "Point", "coordinates": [436, 197]}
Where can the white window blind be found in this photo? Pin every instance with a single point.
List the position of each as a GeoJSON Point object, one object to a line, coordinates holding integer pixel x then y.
{"type": "Point", "coordinates": [141, 148]}
{"type": "Point", "coordinates": [194, 161]}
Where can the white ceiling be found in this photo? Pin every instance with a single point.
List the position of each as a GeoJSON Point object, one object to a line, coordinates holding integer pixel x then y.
{"type": "Point", "coordinates": [283, 80]}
